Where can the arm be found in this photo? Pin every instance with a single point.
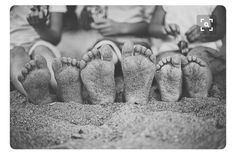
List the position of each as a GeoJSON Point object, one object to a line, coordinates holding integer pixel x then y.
{"type": "Point", "coordinates": [219, 15]}
{"type": "Point", "coordinates": [52, 32]}
{"type": "Point", "coordinates": [108, 27]}
{"type": "Point", "coordinates": [158, 28]}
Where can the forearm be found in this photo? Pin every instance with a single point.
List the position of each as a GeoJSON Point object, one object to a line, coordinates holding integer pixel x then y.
{"type": "Point", "coordinates": [134, 28]}
{"type": "Point", "coordinates": [157, 31]}
{"type": "Point", "coordinates": [49, 35]}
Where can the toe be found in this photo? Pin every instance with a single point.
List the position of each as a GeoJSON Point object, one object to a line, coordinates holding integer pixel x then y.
{"type": "Point", "coordinates": [148, 52]}
{"type": "Point", "coordinates": [184, 61]}
{"type": "Point", "coordinates": [96, 53]}
{"type": "Point", "coordinates": [24, 72]}
{"type": "Point", "coordinates": [175, 60]}
{"type": "Point", "coordinates": [64, 60]}
{"type": "Point", "coordinates": [137, 48]}
{"type": "Point", "coordinates": [69, 60]}
{"type": "Point", "coordinates": [28, 66]}
{"type": "Point", "coordinates": [32, 63]}
{"type": "Point", "coordinates": [90, 55]}
{"type": "Point", "coordinates": [201, 62]}
{"type": "Point", "coordinates": [56, 65]}
{"type": "Point", "coordinates": [86, 58]}
{"type": "Point", "coordinates": [74, 62]}
{"type": "Point", "coordinates": [78, 64]}
{"type": "Point", "coordinates": [160, 63]}
{"type": "Point", "coordinates": [128, 48]}
{"type": "Point", "coordinates": [82, 64]}
{"type": "Point", "coordinates": [40, 61]}
{"type": "Point", "coordinates": [168, 58]}
{"type": "Point", "coordinates": [158, 67]}
{"type": "Point", "coordinates": [164, 60]}
{"type": "Point", "coordinates": [106, 53]}
{"type": "Point", "coordinates": [143, 50]}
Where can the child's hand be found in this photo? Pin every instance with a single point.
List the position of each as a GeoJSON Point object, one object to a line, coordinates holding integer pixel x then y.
{"type": "Point", "coordinates": [172, 29]}
{"type": "Point", "coordinates": [107, 27]}
{"type": "Point", "coordinates": [194, 34]}
{"type": "Point", "coordinates": [37, 18]}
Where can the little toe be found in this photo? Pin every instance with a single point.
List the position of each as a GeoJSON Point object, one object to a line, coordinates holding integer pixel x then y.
{"type": "Point", "coordinates": [40, 61]}
{"type": "Point", "coordinates": [32, 63]}
{"type": "Point", "coordinates": [160, 63]}
{"type": "Point", "coordinates": [201, 62]}
{"type": "Point", "coordinates": [128, 48]}
{"type": "Point", "coordinates": [106, 53]}
{"type": "Point", "coordinates": [69, 61]}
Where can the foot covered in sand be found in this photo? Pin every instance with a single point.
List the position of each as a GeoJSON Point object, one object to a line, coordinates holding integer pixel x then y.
{"type": "Point", "coordinates": [169, 78]}
{"type": "Point", "coordinates": [138, 66]}
{"type": "Point", "coordinates": [97, 74]}
{"type": "Point", "coordinates": [67, 75]}
{"type": "Point", "coordinates": [35, 78]}
{"type": "Point", "coordinates": [197, 76]}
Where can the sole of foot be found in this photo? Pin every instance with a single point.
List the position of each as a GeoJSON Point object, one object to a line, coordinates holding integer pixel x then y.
{"type": "Point", "coordinates": [197, 77]}
{"type": "Point", "coordinates": [138, 66]}
{"type": "Point", "coordinates": [97, 74]}
{"type": "Point", "coordinates": [169, 78]}
{"type": "Point", "coordinates": [35, 78]}
{"type": "Point", "coordinates": [67, 75]}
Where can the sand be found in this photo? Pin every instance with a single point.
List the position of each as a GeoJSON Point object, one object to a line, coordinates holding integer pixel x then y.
{"type": "Point", "coordinates": [189, 123]}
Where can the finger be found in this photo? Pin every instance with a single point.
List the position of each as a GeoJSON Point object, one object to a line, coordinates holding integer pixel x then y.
{"type": "Point", "coordinates": [167, 29]}
{"type": "Point", "coordinates": [99, 26]}
{"type": "Point", "coordinates": [41, 15]}
{"type": "Point", "coordinates": [173, 28]}
{"type": "Point", "coordinates": [191, 29]}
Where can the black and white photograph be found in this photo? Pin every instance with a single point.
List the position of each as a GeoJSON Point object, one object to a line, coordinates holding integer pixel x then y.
{"type": "Point", "coordinates": [117, 77]}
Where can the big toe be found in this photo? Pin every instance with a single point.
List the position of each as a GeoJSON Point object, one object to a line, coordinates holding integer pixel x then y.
{"type": "Point", "coordinates": [56, 65]}
{"type": "Point", "coordinates": [128, 48]}
{"type": "Point", "coordinates": [40, 61]}
{"type": "Point", "coordinates": [106, 53]}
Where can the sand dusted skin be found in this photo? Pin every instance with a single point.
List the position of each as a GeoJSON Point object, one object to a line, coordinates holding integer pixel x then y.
{"type": "Point", "coordinates": [197, 76]}
{"type": "Point", "coordinates": [35, 78]}
{"type": "Point", "coordinates": [67, 75]}
{"type": "Point", "coordinates": [97, 74]}
{"type": "Point", "coordinates": [169, 77]}
{"type": "Point", "coordinates": [138, 66]}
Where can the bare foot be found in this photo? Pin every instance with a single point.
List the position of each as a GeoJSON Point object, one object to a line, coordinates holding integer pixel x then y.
{"type": "Point", "coordinates": [169, 78]}
{"type": "Point", "coordinates": [67, 75]}
{"type": "Point", "coordinates": [197, 77]}
{"type": "Point", "coordinates": [138, 66]}
{"type": "Point", "coordinates": [35, 78]}
{"type": "Point", "coordinates": [97, 74]}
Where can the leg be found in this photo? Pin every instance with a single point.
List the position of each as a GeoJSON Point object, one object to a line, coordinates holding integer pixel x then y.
{"type": "Point", "coordinates": [49, 56]}
{"type": "Point", "coordinates": [67, 74]}
{"type": "Point", "coordinates": [169, 76]}
{"type": "Point", "coordinates": [138, 66]}
{"type": "Point", "coordinates": [35, 78]}
{"type": "Point", "coordinates": [18, 60]}
{"type": "Point", "coordinates": [197, 74]}
{"type": "Point", "coordinates": [97, 74]}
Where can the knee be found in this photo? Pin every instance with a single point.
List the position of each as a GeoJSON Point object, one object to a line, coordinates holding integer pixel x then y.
{"type": "Point", "coordinates": [18, 52]}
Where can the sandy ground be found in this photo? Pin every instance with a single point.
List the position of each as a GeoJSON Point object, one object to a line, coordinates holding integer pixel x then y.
{"type": "Point", "coordinates": [189, 123]}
